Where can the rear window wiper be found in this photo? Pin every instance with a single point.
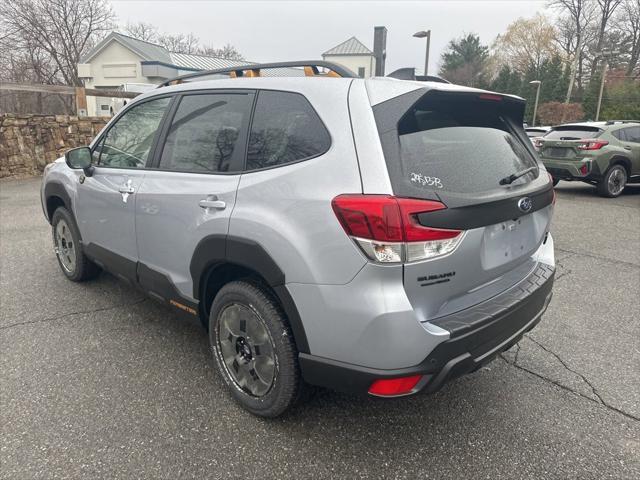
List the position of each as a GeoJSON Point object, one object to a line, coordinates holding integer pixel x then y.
{"type": "Point", "coordinates": [508, 180]}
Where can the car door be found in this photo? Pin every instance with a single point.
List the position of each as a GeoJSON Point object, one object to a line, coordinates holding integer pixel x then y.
{"type": "Point", "coordinates": [191, 191]}
{"type": "Point", "coordinates": [631, 142]}
{"type": "Point", "coordinates": [105, 204]}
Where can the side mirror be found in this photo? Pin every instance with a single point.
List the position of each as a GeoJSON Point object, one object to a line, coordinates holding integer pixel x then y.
{"type": "Point", "coordinates": [79, 158]}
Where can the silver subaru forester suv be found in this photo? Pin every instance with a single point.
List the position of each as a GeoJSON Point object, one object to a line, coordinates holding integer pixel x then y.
{"type": "Point", "coordinates": [373, 236]}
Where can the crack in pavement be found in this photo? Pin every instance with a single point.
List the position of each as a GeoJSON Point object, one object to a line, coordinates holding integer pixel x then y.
{"type": "Point", "coordinates": [60, 317]}
{"type": "Point", "coordinates": [565, 365]}
{"type": "Point", "coordinates": [599, 257]}
{"type": "Point", "coordinates": [599, 401]}
{"type": "Point", "coordinates": [567, 271]}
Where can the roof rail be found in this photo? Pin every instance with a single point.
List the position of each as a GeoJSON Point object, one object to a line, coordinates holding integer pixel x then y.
{"type": "Point", "coordinates": [612, 122]}
{"type": "Point", "coordinates": [254, 69]}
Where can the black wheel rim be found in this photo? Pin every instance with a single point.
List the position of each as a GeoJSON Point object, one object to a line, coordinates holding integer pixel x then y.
{"type": "Point", "coordinates": [246, 349]}
{"type": "Point", "coordinates": [617, 180]}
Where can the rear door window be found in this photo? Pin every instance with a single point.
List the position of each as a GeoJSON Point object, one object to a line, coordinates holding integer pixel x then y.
{"type": "Point", "coordinates": [208, 133]}
{"type": "Point", "coordinates": [459, 144]}
{"type": "Point", "coordinates": [285, 129]}
{"type": "Point", "coordinates": [632, 134]}
{"type": "Point", "coordinates": [619, 134]}
{"type": "Point", "coordinates": [572, 132]}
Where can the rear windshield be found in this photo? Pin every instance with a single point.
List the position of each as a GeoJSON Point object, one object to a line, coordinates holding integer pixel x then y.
{"type": "Point", "coordinates": [535, 133]}
{"type": "Point", "coordinates": [572, 133]}
{"type": "Point", "coordinates": [459, 144]}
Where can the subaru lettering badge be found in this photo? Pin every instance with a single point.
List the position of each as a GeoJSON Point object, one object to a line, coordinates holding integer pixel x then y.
{"type": "Point", "coordinates": [525, 204]}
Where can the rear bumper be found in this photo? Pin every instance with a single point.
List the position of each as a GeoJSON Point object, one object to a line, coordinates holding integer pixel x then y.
{"type": "Point", "coordinates": [478, 335]}
{"type": "Point", "coordinates": [571, 170]}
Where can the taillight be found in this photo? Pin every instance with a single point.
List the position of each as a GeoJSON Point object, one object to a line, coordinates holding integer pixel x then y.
{"type": "Point", "coordinates": [591, 144]}
{"type": "Point", "coordinates": [553, 199]}
{"type": "Point", "coordinates": [387, 230]}
{"type": "Point", "coordinates": [393, 387]}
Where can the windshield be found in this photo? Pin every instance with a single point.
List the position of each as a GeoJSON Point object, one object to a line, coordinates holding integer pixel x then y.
{"type": "Point", "coordinates": [461, 146]}
{"type": "Point", "coordinates": [572, 133]}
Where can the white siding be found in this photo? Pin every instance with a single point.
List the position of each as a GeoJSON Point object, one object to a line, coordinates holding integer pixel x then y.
{"type": "Point", "coordinates": [113, 66]}
{"type": "Point", "coordinates": [353, 62]}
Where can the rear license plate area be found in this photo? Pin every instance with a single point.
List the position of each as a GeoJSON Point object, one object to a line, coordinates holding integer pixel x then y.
{"type": "Point", "coordinates": [557, 152]}
{"type": "Point", "coordinates": [508, 241]}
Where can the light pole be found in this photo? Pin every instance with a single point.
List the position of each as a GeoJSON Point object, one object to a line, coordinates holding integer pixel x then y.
{"type": "Point", "coordinates": [423, 34]}
{"type": "Point", "coordinates": [606, 56]}
{"type": "Point", "coordinates": [535, 105]}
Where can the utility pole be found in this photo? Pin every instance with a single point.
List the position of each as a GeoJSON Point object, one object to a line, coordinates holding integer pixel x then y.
{"type": "Point", "coordinates": [535, 105]}
{"type": "Point", "coordinates": [572, 76]}
{"type": "Point", "coordinates": [604, 75]}
{"type": "Point", "coordinates": [605, 55]}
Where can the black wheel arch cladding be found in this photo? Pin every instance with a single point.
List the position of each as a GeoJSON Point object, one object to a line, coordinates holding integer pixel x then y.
{"type": "Point", "coordinates": [53, 190]}
{"type": "Point", "coordinates": [215, 250]}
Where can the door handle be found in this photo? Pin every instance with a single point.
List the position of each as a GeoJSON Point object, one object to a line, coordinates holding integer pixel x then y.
{"type": "Point", "coordinates": [127, 188]}
{"type": "Point", "coordinates": [213, 203]}
{"type": "Point", "coordinates": [626, 147]}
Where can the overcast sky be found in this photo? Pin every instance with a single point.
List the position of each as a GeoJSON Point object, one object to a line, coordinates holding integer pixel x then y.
{"type": "Point", "coordinates": [265, 31]}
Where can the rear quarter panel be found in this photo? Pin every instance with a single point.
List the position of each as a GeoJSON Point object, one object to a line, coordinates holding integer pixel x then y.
{"type": "Point", "coordinates": [287, 209]}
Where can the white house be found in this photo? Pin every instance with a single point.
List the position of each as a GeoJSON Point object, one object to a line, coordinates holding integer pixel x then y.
{"type": "Point", "coordinates": [354, 55]}
{"type": "Point", "coordinates": [120, 59]}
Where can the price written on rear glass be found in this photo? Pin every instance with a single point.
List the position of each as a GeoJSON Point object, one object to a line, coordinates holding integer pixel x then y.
{"type": "Point", "coordinates": [425, 180]}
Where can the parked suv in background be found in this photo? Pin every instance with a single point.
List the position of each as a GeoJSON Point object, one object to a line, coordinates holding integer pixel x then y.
{"type": "Point", "coordinates": [605, 154]}
{"type": "Point", "coordinates": [373, 236]}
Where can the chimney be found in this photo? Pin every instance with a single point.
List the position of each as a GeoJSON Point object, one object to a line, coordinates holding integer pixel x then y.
{"type": "Point", "coordinates": [380, 49]}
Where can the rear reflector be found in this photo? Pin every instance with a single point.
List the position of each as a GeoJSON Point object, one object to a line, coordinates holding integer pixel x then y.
{"type": "Point", "coordinates": [392, 387]}
{"type": "Point", "coordinates": [387, 228]}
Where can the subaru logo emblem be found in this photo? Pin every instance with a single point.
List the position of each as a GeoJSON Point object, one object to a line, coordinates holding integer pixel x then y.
{"type": "Point", "coordinates": [525, 204]}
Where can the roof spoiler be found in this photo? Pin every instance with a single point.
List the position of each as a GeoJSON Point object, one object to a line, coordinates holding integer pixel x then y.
{"type": "Point", "coordinates": [310, 67]}
{"type": "Point", "coordinates": [409, 73]}
{"type": "Point", "coordinates": [612, 122]}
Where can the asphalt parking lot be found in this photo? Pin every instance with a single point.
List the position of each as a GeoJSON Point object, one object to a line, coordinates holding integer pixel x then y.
{"type": "Point", "coordinates": [97, 381]}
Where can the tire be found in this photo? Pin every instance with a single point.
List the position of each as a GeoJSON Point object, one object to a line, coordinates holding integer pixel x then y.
{"type": "Point", "coordinates": [555, 181]}
{"type": "Point", "coordinates": [66, 242]}
{"type": "Point", "coordinates": [257, 359]}
{"type": "Point", "coordinates": [613, 182]}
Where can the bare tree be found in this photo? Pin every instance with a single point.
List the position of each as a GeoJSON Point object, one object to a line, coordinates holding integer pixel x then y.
{"type": "Point", "coordinates": [142, 31]}
{"type": "Point", "coordinates": [628, 23]}
{"type": "Point", "coordinates": [605, 9]}
{"type": "Point", "coordinates": [228, 51]}
{"type": "Point", "coordinates": [576, 18]}
{"type": "Point", "coordinates": [58, 32]}
{"type": "Point", "coordinates": [179, 43]}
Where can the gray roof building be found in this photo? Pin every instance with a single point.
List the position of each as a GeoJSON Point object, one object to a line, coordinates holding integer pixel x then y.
{"type": "Point", "coordinates": [352, 46]}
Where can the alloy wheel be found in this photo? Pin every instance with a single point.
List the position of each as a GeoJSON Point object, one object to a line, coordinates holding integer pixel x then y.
{"type": "Point", "coordinates": [65, 246]}
{"type": "Point", "coordinates": [246, 349]}
{"type": "Point", "coordinates": [617, 181]}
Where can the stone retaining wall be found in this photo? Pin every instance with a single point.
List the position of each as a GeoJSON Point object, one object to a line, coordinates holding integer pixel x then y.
{"type": "Point", "coordinates": [29, 142]}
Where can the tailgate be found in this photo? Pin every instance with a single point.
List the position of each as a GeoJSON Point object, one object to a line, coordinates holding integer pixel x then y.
{"type": "Point", "coordinates": [455, 148]}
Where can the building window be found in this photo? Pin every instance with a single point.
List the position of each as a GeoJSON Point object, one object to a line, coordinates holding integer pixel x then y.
{"type": "Point", "coordinates": [361, 72]}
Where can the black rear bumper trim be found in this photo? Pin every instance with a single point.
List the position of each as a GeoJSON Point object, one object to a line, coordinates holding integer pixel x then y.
{"type": "Point", "coordinates": [452, 358]}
